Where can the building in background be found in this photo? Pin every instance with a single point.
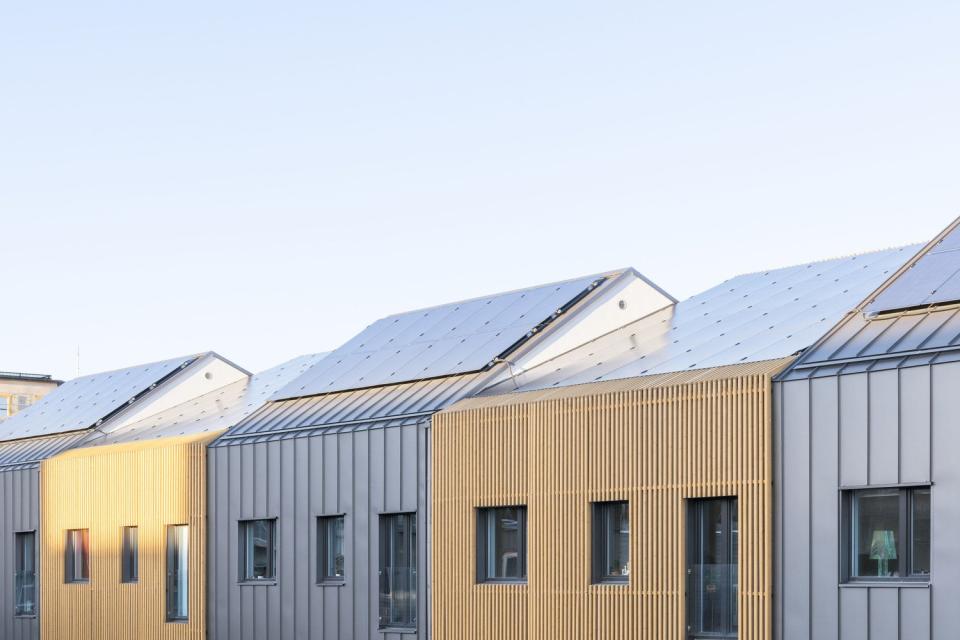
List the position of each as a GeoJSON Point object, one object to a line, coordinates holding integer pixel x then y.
{"type": "Point", "coordinates": [867, 430]}
{"type": "Point", "coordinates": [624, 490]}
{"type": "Point", "coordinates": [67, 417]}
{"type": "Point", "coordinates": [20, 390]}
{"type": "Point", "coordinates": [125, 512]}
{"type": "Point", "coordinates": [319, 502]}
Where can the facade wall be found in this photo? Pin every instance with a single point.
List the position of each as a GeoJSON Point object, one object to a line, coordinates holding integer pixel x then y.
{"type": "Point", "coordinates": [11, 390]}
{"type": "Point", "coordinates": [148, 485]}
{"type": "Point", "coordinates": [656, 447]}
{"type": "Point", "coordinates": [859, 430]}
{"type": "Point", "coordinates": [19, 511]}
{"type": "Point", "coordinates": [359, 473]}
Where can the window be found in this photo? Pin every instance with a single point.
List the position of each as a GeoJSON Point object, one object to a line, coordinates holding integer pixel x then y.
{"type": "Point", "coordinates": [713, 583]}
{"type": "Point", "coordinates": [888, 534]}
{"type": "Point", "coordinates": [257, 550]}
{"type": "Point", "coordinates": [25, 578]}
{"type": "Point", "coordinates": [129, 560]}
{"type": "Point", "coordinates": [502, 544]}
{"type": "Point", "coordinates": [398, 570]}
{"type": "Point", "coordinates": [330, 549]}
{"type": "Point", "coordinates": [611, 542]}
{"type": "Point", "coordinates": [4, 407]}
{"type": "Point", "coordinates": [178, 548]}
{"type": "Point", "coordinates": [77, 556]}
{"type": "Point", "coordinates": [22, 402]}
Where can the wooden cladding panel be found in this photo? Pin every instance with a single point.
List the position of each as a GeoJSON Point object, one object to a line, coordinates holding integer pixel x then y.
{"type": "Point", "coordinates": [655, 447]}
{"type": "Point", "coordinates": [104, 489]}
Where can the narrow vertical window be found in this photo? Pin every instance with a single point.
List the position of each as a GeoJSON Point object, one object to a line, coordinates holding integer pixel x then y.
{"type": "Point", "coordinates": [611, 542]}
{"type": "Point", "coordinates": [330, 549]}
{"type": "Point", "coordinates": [257, 550]}
{"type": "Point", "coordinates": [502, 544]}
{"type": "Point", "coordinates": [4, 407]}
{"type": "Point", "coordinates": [25, 578]}
{"type": "Point", "coordinates": [129, 558]}
{"type": "Point", "coordinates": [77, 556]}
{"type": "Point", "coordinates": [178, 548]}
{"type": "Point", "coordinates": [398, 570]}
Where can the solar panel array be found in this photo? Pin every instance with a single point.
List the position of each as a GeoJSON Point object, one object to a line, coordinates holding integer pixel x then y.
{"type": "Point", "coordinates": [451, 339]}
{"type": "Point", "coordinates": [933, 280]}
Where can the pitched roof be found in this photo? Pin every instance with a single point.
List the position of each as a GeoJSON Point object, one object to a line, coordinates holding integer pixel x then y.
{"type": "Point", "coordinates": [911, 318]}
{"type": "Point", "coordinates": [749, 318]}
{"type": "Point", "coordinates": [213, 411]}
{"type": "Point", "coordinates": [446, 340]}
{"type": "Point", "coordinates": [87, 401]}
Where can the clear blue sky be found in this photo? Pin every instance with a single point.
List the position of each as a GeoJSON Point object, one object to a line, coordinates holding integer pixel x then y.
{"type": "Point", "coordinates": [265, 179]}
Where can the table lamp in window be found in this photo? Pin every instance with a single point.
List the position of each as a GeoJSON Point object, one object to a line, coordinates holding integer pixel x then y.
{"type": "Point", "coordinates": [883, 549]}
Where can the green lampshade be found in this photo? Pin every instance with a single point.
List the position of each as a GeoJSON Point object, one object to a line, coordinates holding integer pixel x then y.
{"type": "Point", "coordinates": [883, 546]}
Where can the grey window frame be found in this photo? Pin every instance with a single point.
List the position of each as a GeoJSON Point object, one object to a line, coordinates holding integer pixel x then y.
{"type": "Point", "coordinates": [323, 541]}
{"type": "Point", "coordinates": [129, 555]}
{"type": "Point", "coordinates": [70, 554]}
{"type": "Point", "coordinates": [177, 581]}
{"type": "Point", "coordinates": [19, 610]}
{"type": "Point", "coordinates": [386, 547]}
{"type": "Point", "coordinates": [483, 516]}
{"type": "Point", "coordinates": [599, 549]}
{"type": "Point", "coordinates": [245, 571]}
{"type": "Point", "coordinates": [905, 547]}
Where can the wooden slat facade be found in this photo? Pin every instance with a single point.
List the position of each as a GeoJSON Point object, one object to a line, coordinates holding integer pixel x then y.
{"type": "Point", "coordinates": [655, 442]}
{"type": "Point", "coordinates": [148, 485]}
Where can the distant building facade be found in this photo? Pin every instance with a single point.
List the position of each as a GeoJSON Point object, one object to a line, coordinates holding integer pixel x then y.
{"type": "Point", "coordinates": [20, 390]}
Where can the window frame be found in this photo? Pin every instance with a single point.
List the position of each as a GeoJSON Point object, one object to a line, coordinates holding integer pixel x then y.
{"type": "Point", "coordinates": [182, 551]}
{"type": "Point", "coordinates": [482, 517]}
{"type": "Point", "coordinates": [599, 542]}
{"type": "Point", "coordinates": [244, 572]}
{"type": "Point", "coordinates": [18, 536]}
{"type": "Point", "coordinates": [412, 548]}
{"type": "Point", "coordinates": [129, 555]}
{"type": "Point", "coordinates": [905, 534]}
{"type": "Point", "coordinates": [323, 575]}
{"type": "Point", "coordinates": [70, 552]}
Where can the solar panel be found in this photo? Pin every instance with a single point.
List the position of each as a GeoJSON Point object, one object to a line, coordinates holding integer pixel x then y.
{"type": "Point", "coordinates": [934, 279]}
{"type": "Point", "coordinates": [440, 341]}
{"type": "Point", "coordinates": [82, 402]}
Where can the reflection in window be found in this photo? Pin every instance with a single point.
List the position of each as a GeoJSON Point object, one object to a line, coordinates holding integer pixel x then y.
{"type": "Point", "coordinates": [502, 544]}
{"type": "Point", "coordinates": [889, 533]}
{"type": "Point", "coordinates": [178, 544]}
{"type": "Point", "coordinates": [129, 557]}
{"type": "Point", "coordinates": [398, 570]}
{"type": "Point", "coordinates": [77, 556]}
{"type": "Point", "coordinates": [611, 542]}
{"type": "Point", "coordinates": [25, 577]}
{"type": "Point", "coordinates": [330, 549]}
{"type": "Point", "coordinates": [257, 550]}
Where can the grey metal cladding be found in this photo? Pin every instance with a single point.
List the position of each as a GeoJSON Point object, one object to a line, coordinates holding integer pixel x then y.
{"type": "Point", "coordinates": [933, 279]}
{"type": "Point", "coordinates": [30, 452]}
{"type": "Point", "coordinates": [213, 411]}
{"type": "Point", "coordinates": [83, 402]}
{"type": "Point", "coordinates": [19, 512]}
{"type": "Point", "coordinates": [754, 317]}
{"type": "Point", "coordinates": [352, 408]}
{"type": "Point", "coordinates": [450, 339]}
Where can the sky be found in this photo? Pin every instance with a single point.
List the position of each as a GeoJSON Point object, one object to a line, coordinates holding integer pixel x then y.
{"type": "Point", "coordinates": [266, 179]}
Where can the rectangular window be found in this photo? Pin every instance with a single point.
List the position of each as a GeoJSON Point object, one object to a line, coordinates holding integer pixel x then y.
{"type": "Point", "coordinates": [77, 556]}
{"type": "Point", "coordinates": [25, 578]}
{"type": "Point", "coordinates": [398, 570]}
{"type": "Point", "coordinates": [330, 549]}
{"type": "Point", "coordinates": [502, 544]}
{"type": "Point", "coordinates": [129, 560]}
{"type": "Point", "coordinates": [257, 550]}
{"type": "Point", "coordinates": [178, 586]}
{"type": "Point", "coordinates": [22, 402]}
{"type": "Point", "coordinates": [713, 583]}
{"type": "Point", "coordinates": [888, 534]}
{"type": "Point", "coordinates": [611, 542]}
{"type": "Point", "coordinates": [4, 407]}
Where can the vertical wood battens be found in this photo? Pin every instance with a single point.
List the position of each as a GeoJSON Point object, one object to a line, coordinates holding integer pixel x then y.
{"type": "Point", "coordinates": [656, 447]}
{"type": "Point", "coordinates": [150, 486]}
